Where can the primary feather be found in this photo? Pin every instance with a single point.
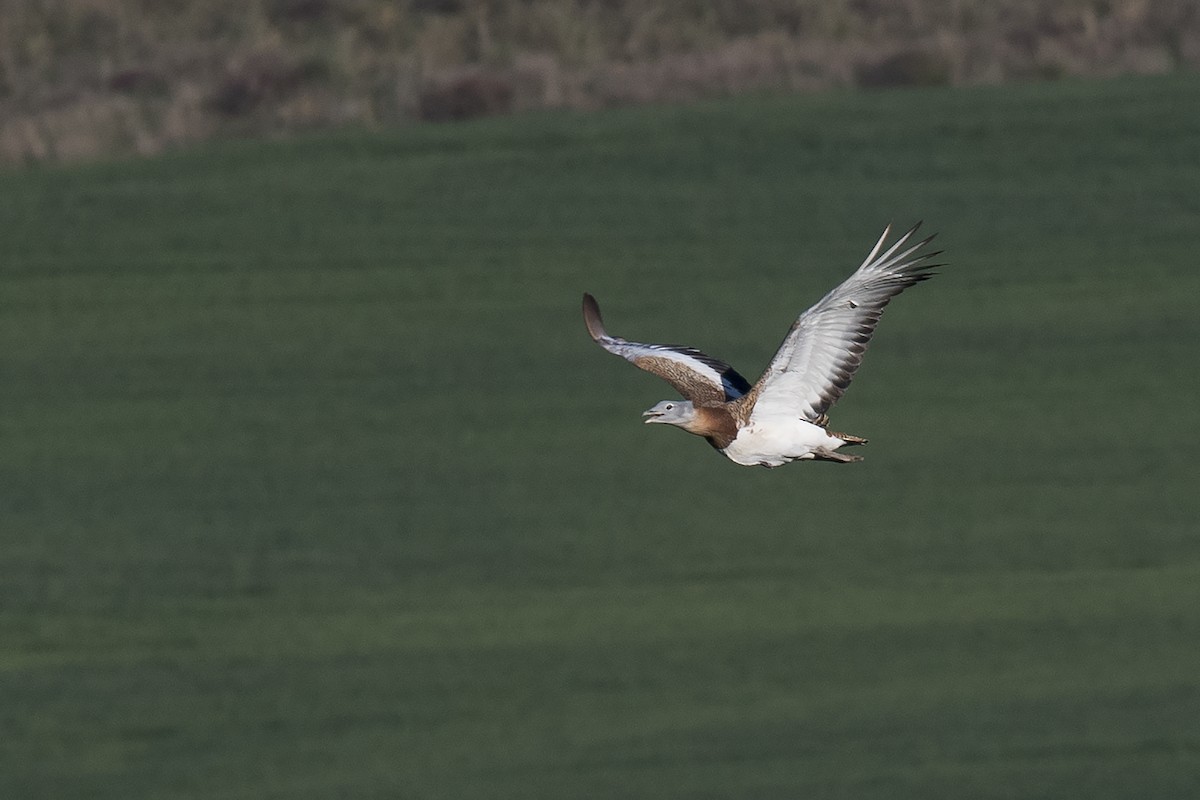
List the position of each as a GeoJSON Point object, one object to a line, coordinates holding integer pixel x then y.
{"type": "Point", "coordinates": [825, 346]}
{"type": "Point", "coordinates": [695, 375]}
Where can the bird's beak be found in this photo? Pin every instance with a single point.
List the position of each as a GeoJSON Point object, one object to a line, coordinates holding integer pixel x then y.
{"type": "Point", "coordinates": [652, 415]}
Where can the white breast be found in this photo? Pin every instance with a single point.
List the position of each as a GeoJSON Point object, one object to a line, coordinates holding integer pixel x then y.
{"type": "Point", "coordinates": [774, 442]}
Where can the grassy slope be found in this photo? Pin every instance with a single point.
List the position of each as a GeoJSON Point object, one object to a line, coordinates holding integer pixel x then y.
{"type": "Point", "coordinates": [313, 484]}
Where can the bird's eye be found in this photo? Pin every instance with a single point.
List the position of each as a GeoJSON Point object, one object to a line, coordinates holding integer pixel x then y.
{"type": "Point", "coordinates": [669, 406]}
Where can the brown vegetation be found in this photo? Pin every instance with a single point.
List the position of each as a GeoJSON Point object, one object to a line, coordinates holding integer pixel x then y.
{"type": "Point", "coordinates": [82, 78]}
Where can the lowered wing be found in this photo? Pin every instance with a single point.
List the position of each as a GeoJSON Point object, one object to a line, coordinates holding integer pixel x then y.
{"type": "Point", "coordinates": [696, 376]}
{"type": "Point", "coordinates": [825, 346]}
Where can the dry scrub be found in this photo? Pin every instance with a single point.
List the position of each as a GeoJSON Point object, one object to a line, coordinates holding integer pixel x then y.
{"type": "Point", "coordinates": [85, 78]}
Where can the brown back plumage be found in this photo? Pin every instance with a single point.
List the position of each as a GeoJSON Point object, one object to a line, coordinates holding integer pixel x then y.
{"type": "Point", "coordinates": [696, 376]}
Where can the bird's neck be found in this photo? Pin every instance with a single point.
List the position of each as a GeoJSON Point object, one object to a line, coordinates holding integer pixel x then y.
{"type": "Point", "coordinates": [715, 423]}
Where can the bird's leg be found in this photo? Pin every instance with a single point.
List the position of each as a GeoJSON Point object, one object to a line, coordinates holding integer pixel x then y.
{"type": "Point", "coordinates": [822, 454]}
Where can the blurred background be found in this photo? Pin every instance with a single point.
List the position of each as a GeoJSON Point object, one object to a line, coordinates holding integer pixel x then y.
{"type": "Point", "coordinates": [81, 78]}
{"type": "Point", "coordinates": [312, 483]}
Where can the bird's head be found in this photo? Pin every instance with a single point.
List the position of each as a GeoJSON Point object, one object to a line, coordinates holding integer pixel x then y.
{"type": "Point", "coordinates": [672, 412]}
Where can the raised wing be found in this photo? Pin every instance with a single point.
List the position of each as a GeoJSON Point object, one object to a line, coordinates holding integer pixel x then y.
{"type": "Point", "coordinates": [825, 346]}
{"type": "Point", "coordinates": [696, 376]}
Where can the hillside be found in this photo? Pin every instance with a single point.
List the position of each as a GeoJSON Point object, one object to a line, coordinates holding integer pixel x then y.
{"type": "Point", "coordinates": [313, 484]}
{"type": "Point", "coordinates": [92, 78]}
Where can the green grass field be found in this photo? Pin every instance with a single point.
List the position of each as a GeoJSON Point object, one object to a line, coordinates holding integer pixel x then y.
{"type": "Point", "coordinates": [312, 484]}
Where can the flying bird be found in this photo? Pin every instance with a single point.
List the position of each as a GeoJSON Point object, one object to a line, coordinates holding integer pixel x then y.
{"type": "Point", "coordinates": [783, 416]}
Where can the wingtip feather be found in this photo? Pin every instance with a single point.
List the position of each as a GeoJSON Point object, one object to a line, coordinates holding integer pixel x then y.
{"type": "Point", "coordinates": [887, 229]}
{"type": "Point", "coordinates": [592, 318]}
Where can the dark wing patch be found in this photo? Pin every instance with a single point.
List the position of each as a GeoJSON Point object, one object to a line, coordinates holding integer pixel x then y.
{"type": "Point", "coordinates": [695, 375]}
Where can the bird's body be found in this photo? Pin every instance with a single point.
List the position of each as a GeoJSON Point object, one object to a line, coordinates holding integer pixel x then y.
{"type": "Point", "coordinates": [774, 443]}
{"type": "Point", "coordinates": [782, 417]}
